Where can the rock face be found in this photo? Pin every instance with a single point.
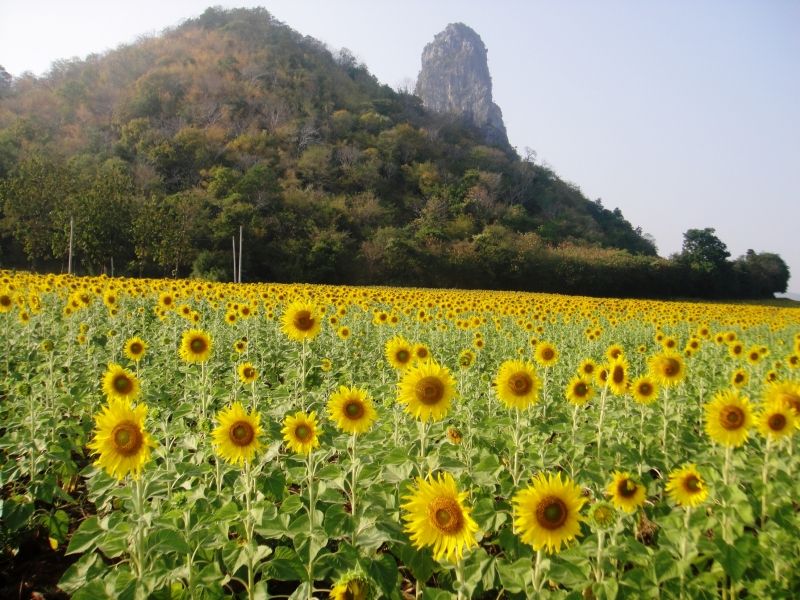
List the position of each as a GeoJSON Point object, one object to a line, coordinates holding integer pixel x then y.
{"type": "Point", "coordinates": [455, 79]}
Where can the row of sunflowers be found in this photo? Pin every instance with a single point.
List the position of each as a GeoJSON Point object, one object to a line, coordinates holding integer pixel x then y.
{"type": "Point", "coordinates": [187, 439]}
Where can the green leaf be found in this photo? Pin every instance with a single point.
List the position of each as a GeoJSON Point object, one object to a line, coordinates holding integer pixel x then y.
{"type": "Point", "coordinates": [57, 524]}
{"type": "Point", "coordinates": [86, 569]}
{"type": "Point", "coordinates": [383, 572]}
{"type": "Point", "coordinates": [516, 576]}
{"type": "Point", "coordinates": [420, 562]}
{"type": "Point", "coordinates": [168, 540]}
{"type": "Point", "coordinates": [85, 538]}
{"type": "Point", "coordinates": [286, 565]}
{"type": "Point", "coordinates": [436, 594]}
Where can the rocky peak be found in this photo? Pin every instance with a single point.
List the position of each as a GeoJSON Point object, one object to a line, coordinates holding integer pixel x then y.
{"type": "Point", "coordinates": [455, 79]}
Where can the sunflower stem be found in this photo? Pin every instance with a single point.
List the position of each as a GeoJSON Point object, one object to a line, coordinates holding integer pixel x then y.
{"type": "Point", "coordinates": [601, 536]}
{"type": "Point", "coordinates": [353, 474]}
{"type": "Point", "coordinates": [537, 573]}
{"type": "Point", "coordinates": [249, 525]}
{"type": "Point", "coordinates": [765, 483]}
{"type": "Point", "coordinates": [423, 431]}
{"type": "Point", "coordinates": [515, 469]}
{"type": "Point", "coordinates": [684, 541]}
{"type": "Point", "coordinates": [460, 579]}
{"type": "Point", "coordinates": [600, 419]}
{"type": "Point", "coordinates": [726, 481]}
{"type": "Point", "coordinates": [664, 430]}
{"type": "Point", "coordinates": [137, 554]}
{"type": "Point", "coordinates": [310, 468]}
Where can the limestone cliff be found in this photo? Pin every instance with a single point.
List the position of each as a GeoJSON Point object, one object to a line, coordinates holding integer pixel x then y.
{"type": "Point", "coordinates": [455, 79]}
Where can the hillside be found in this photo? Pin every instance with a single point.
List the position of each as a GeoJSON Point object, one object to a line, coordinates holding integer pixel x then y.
{"type": "Point", "coordinates": [160, 150]}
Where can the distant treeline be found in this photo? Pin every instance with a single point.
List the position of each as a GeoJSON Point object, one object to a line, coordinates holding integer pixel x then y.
{"type": "Point", "coordinates": [158, 152]}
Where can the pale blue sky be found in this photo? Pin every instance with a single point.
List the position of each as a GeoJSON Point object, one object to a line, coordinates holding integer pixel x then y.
{"type": "Point", "coordinates": [683, 114]}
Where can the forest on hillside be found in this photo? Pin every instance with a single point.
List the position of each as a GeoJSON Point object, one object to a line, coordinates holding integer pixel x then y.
{"type": "Point", "coordinates": [159, 152]}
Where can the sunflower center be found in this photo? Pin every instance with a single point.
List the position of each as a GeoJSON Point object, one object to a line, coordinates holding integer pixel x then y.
{"type": "Point", "coordinates": [738, 378]}
{"type": "Point", "coordinates": [618, 376]}
{"type": "Point", "coordinates": [626, 488]}
{"type": "Point", "coordinates": [136, 348]}
{"type": "Point", "coordinates": [122, 384]}
{"type": "Point", "coordinates": [692, 483]}
{"type": "Point", "coordinates": [127, 438]}
{"type": "Point", "coordinates": [241, 433]}
{"type": "Point", "coordinates": [551, 513]}
{"type": "Point", "coordinates": [302, 433]}
{"type": "Point", "coordinates": [446, 515]}
{"type": "Point", "coordinates": [581, 389]}
{"type": "Point", "coordinates": [671, 367]}
{"type": "Point", "coordinates": [645, 389]}
{"type": "Point", "coordinates": [303, 320]}
{"type": "Point", "coordinates": [548, 354]}
{"type": "Point", "coordinates": [520, 384]}
{"type": "Point", "coordinates": [402, 356]}
{"type": "Point", "coordinates": [422, 353]}
{"type": "Point", "coordinates": [5, 300]}
{"type": "Point", "coordinates": [430, 390]}
{"type": "Point", "coordinates": [198, 345]}
{"type": "Point", "coordinates": [777, 422]}
{"type": "Point", "coordinates": [249, 372]}
{"type": "Point", "coordinates": [354, 410]}
{"type": "Point", "coordinates": [731, 418]}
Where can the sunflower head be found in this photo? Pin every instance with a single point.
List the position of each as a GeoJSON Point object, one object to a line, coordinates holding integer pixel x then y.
{"type": "Point", "coordinates": [236, 438]}
{"type": "Point", "coordinates": [135, 348]}
{"type": "Point", "coordinates": [579, 391]}
{"type": "Point", "coordinates": [352, 410]}
{"type": "Point", "coordinates": [466, 359]}
{"type": "Point", "coordinates": [626, 493]}
{"type": "Point", "coordinates": [196, 346]}
{"type": "Point", "coordinates": [300, 432]}
{"type": "Point", "coordinates": [517, 385]}
{"type": "Point", "coordinates": [350, 587]}
{"type": "Point", "coordinates": [427, 389]}
{"type": "Point", "coordinates": [119, 383]}
{"type": "Point", "coordinates": [399, 353]}
{"type": "Point", "coordinates": [547, 513]}
{"type": "Point", "coordinates": [247, 372]}
{"type": "Point", "coordinates": [454, 436]}
{"type": "Point", "coordinates": [668, 369]}
{"type": "Point", "coordinates": [644, 389]}
{"type": "Point", "coordinates": [618, 375]}
{"type": "Point", "coordinates": [776, 420]}
{"type": "Point", "coordinates": [603, 515]}
{"type": "Point", "coordinates": [301, 321]}
{"type": "Point", "coordinates": [686, 486]}
{"type": "Point", "coordinates": [120, 440]}
{"type": "Point", "coordinates": [728, 418]}
{"type": "Point", "coordinates": [546, 354]}
{"type": "Point", "coordinates": [740, 378]}
{"type": "Point", "coordinates": [436, 516]}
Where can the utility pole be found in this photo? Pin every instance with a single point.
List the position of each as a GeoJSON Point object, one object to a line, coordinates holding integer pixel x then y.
{"type": "Point", "coordinates": [233, 241]}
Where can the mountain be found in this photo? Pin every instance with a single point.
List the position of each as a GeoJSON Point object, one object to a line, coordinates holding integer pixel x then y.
{"type": "Point", "coordinates": [159, 151]}
{"type": "Point", "coordinates": [455, 79]}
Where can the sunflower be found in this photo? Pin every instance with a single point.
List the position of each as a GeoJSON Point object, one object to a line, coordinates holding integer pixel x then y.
{"type": "Point", "coordinates": [240, 346]}
{"type": "Point", "coordinates": [785, 392]}
{"type": "Point", "coordinates": [547, 513]}
{"type": "Point", "coordinates": [135, 348]}
{"type": "Point", "coordinates": [466, 359]}
{"type": "Point", "coordinates": [739, 378]}
{"type": "Point", "coordinates": [587, 368]}
{"type": "Point", "coordinates": [644, 389]}
{"type": "Point", "coordinates": [120, 438]}
{"type": "Point", "coordinates": [776, 420]}
{"type": "Point", "coordinates": [454, 436]}
{"type": "Point", "coordinates": [516, 384]}
{"type": "Point", "coordinates": [437, 517]}
{"type": "Point", "coordinates": [686, 486]}
{"type": "Point", "coordinates": [618, 375]}
{"type": "Point", "coordinates": [421, 352]}
{"type": "Point", "coordinates": [399, 353]}
{"type": "Point", "coordinates": [426, 389]}
{"type": "Point", "coordinates": [352, 410]}
{"type": "Point", "coordinates": [614, 351]}
{"type": "Point", "coordinates": [343, 332]}
{"type": "Point", "coordinates": [754, 355]}
{"type": "Point", "coordinates": [626, 493]}
{"type": "Point", "coordinates": [119, 383]}
{"type": "Point", "coordinates": [247, 372]}
{"type": "Point", "coordinates": [736, 350]}
{"type": "Point", "coordinates": [546, 354]}
{"type": "Point", "coordinates": [236, 437]}
{"type": "Point", "coordinates": [301, 321]}
{"type": "Point", "coordinates": [667, 369]}
{"type": "Point", "coordinates": [579, 391]}
{"type": "Point", "coordinates": [355, 589]}
{"type": "Point", "coordinates": [728, 418]}
{"type": "Point", "coordinates": [603, 515]}
{"type": "Point", "coordinates": [196, 346]}
{"type": "Point", "coordinates": [300, 432]}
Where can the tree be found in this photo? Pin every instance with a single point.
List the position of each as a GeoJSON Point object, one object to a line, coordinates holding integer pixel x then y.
{"type": "Point", "coordinates": [5, 82]}
{"type": "Point", "coordinates": [703, 251]}
{"type": "Point", "coordinates": [762, 274]}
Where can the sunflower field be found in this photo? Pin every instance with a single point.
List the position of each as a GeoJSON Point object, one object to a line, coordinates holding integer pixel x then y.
{"type": "Point", "coordinates": [175, 439]}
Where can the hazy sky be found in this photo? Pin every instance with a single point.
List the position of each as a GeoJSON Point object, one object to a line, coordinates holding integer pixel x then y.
{"type": "Point", "coordinates": [684, 114]}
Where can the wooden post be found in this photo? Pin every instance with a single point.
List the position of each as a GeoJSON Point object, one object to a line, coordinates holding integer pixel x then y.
{"type": "Point", "coordinates": [112, 266]}
{"type": "Point", "coordinates": [233, 241]}
{"type": "Point", "coordinates": [240, 254]}
{"type": "Point", "coordinates": [69, 260]}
